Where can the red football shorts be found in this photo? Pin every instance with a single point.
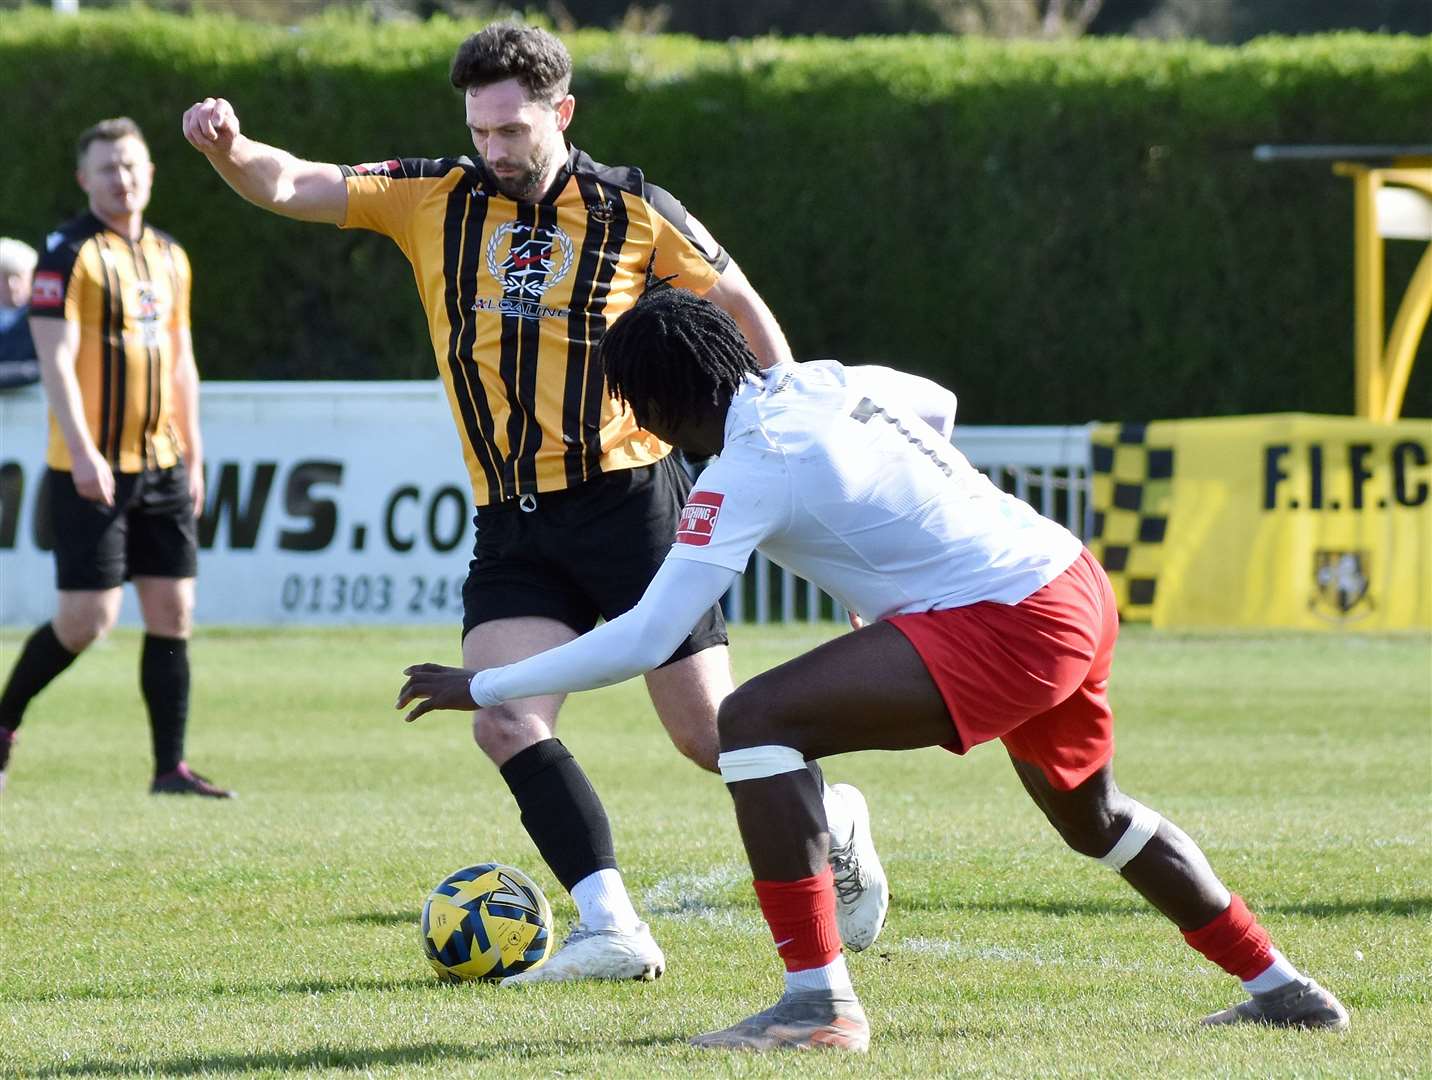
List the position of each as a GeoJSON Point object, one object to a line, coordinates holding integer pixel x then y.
{"type": "Point", "coordinates": [1034, 674]}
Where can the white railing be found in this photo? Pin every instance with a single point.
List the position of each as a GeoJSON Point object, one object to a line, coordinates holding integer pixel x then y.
{"type": "Point", "coordinates": [1047, 467]}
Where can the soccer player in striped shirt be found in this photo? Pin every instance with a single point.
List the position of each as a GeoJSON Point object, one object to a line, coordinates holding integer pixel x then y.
{"type": "Point", "coordinates": [109, 314]}
{"type": "Point", "coordinates": [522, 257]}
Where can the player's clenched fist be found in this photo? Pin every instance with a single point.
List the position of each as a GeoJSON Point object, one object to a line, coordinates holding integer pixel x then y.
{"type": "Point", "coordinates": [211, 126]}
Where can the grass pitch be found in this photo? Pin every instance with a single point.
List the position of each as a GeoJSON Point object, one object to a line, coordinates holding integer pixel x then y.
{"type": "Point", "coordinates": [277, 935]}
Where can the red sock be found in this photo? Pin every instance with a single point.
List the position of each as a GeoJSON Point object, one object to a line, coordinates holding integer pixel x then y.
{"type": "Point", "coordinates": [801, 915]}
{"type": "Point", "coordinates": [1234, 941]}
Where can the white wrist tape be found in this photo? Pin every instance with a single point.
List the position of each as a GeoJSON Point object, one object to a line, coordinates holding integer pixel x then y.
{"type": "Point", "coordinates": [1142, 826]}
{"type": "Point", "coordinates": [759, 762]}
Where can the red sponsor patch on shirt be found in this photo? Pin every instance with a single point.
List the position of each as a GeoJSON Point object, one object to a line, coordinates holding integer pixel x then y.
{"type": "Point", "coordinates": [47, 290]}
{"type": "Point", "coordinates": [698, 518]}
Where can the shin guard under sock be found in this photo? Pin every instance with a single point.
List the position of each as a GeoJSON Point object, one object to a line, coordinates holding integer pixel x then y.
{"type": "Point", "coordinates": [1234, 941]}
{"type": "Point", "coordinates": [41, 659]}
{"type": "Point", "coordinates": [560, 811]}
{"type": "Point", "coordinates": [801, 915]}
{"type": "Point", "coordinates": [164, 681]}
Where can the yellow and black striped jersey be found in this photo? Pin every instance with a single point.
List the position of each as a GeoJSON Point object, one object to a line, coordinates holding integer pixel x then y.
{"type": "Point", "coordinates": [131, 301]}
{"type": "Point", "coordinates": [518, 294]}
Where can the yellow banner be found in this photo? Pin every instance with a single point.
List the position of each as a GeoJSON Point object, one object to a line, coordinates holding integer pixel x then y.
{"type": "Point", "coordinates": [1291, 520]}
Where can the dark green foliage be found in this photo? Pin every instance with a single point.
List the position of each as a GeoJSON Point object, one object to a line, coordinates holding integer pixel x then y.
{"type": "Point", "coordinates": [1060, 231]}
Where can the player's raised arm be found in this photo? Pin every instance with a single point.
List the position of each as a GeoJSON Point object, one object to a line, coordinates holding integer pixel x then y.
{"type": "Point", "coordinates": [265, 175]}
{"type": "Point", "coordinates": [687, 253]}
{"type": "Point", "coordinates": [735, 295]}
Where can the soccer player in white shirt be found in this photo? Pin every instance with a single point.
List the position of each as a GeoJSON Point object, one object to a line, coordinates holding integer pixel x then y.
{"type": "Point", "coordinates": [983, 620]}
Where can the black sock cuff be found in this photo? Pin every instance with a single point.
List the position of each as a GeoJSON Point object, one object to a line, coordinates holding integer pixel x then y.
{"type": "Point", "coordinates": [159, 641]}
{"type": "Point", "coordinates": [539, 757]}
{"type": "Point", "coordinates": [46, 638]}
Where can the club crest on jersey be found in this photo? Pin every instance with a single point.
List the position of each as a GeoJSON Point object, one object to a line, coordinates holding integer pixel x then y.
{"type": "Point", "coordinates": [1340, 585]}
{"type": "Point", "coordinates": [698, 518]}
{"type": "Point", "coordinates": [602, 211]}
{"type": "Point", "coordinates": [537, 258]}
{"type": "Point", "coordinates": [47, 290]}
{"type": "Point", "coordinates": [150, 312]}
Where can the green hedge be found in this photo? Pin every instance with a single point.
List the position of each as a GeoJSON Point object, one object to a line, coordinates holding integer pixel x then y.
{"type": "Point", "coordinates": [1060, 231]}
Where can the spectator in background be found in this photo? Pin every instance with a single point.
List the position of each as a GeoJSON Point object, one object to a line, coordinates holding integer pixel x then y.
{"type": "Point", "coordinates": [18, 366]}
{"type": "Point", "coordinates": [109, 312]}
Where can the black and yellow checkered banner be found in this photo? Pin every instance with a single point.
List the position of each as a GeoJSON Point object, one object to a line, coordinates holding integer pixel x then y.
{"type": "Point", "coordinates": [1287, 520]}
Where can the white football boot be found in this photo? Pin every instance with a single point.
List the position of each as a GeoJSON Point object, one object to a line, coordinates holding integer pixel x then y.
{"type": "Point", "coordinates": [599, 954]}
{"type": "Point", "coordinates": [862, 894]}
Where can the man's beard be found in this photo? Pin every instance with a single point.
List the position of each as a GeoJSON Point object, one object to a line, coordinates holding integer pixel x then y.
{"type": "Point", "coordinates": [524, 186]}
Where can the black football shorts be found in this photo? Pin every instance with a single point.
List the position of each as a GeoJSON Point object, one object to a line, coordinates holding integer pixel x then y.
{"type": "Point", "coordinates": [585, 553]}
{"type": "Point", "coordinates": [150, 530]}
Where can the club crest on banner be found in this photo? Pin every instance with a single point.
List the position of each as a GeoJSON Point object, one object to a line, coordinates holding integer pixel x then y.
{"type": "Point", "coordinates": [1340, 584]}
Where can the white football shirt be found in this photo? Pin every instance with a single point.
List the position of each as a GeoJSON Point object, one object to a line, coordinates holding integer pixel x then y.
{"type": "Point", "coordinates": [833, 474]}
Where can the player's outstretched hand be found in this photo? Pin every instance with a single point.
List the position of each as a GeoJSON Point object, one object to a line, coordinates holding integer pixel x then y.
{"type": "Point", "coordinates": [211, 126]}
{"type": "Point", "coordinates": [439, 688]}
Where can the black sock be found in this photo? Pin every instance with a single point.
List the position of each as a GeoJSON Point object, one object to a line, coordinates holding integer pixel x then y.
{"type": "Point", "coordinates": [41, 659]}
{"type": "Point", "coordinates": [560, 811]}
{"type": "Point", "coordinates": [164, 680]}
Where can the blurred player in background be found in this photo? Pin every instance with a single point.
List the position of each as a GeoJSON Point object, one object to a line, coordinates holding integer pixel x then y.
{"type": "Point", "coordinates": [987, 621]}
{"type": "Point", "coordinates": [18, 366]}
{"type": "Point", "coordinates": [109, 312]}
{"type": "Point", "coordinates": [522, 257]}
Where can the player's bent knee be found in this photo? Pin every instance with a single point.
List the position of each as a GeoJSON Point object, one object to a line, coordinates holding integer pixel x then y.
{"type": "Point", "coordinates": [698, 749]}
{"type": "Point", "coordinates": [751, 715]}
{"type": "Point", "coordinates": [170, 624]}
{"type": "Point", "coordinates": [500, 733]}
{"type": "Point", "coordinates": [745, 719]}
{"type": "Point", "coordinates": [79, 630]}
{"type": "Point", "coordinates": [77, 639]}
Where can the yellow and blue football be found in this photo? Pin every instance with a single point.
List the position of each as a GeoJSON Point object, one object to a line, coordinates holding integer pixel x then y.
{"type": "Point", "coordinates": [486, 922]}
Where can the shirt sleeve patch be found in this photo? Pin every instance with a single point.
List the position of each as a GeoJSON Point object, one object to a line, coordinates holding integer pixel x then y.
{"type": "Point", "coordinates": [698, 518]}
{"type": "Point", "coordinates": [391, 167]}
{"type": "Point", "coordinates": [47, 290]}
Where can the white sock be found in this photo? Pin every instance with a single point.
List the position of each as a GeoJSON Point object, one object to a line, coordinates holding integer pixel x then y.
{"type": "Point", "coordinates": [1279, 973]}
{"type": "Point", "coordinates": [838, 818]}
{"type": "Point", "coordinates": [603, 903]}
{"type": "Point", "coordinates": [833, 976]}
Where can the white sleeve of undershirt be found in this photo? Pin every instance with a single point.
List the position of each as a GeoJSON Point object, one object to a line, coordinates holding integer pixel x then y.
{"type": "Point", "coordinates": [631, 644]}
{"type": "Point", "coordinates": [929, 400]}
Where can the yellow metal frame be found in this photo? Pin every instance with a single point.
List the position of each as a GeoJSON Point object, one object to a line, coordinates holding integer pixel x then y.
{"type": "Point", "coordinates": [1382, 371]}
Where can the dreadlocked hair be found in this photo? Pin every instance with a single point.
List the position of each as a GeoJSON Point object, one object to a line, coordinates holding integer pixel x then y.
{"type": "Point", "coordinates": [675, 353]}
